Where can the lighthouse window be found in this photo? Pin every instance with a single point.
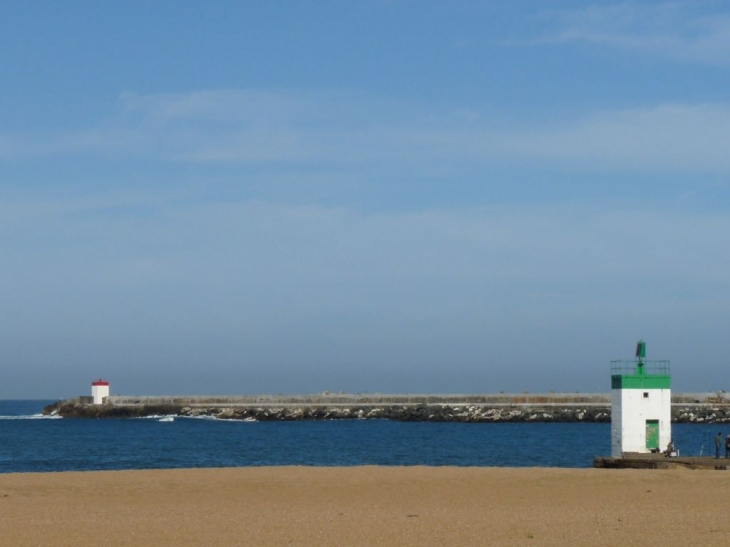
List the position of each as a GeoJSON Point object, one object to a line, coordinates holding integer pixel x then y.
{"type": "Point", "coordinates": [646, 395]}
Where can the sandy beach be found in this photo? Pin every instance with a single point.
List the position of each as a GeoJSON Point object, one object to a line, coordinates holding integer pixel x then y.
{"type": "Point", "coordinates": [366, 506]}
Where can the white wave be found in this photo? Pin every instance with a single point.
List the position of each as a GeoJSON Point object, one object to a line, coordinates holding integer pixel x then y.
{"type": "Point", "coordinates": [217, 419]}
{"type": "Point", "coordinates": [32, 417]}
{"type": "Point", "coordinates": [157, 417]}
{"type": "Point", "coordinates": [161, 417]}
{"type": "Point", "coordinates": [202, 417]}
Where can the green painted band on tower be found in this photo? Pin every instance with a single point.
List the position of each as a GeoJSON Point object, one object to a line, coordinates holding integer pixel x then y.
{"type": "Point", "coordinates": [640, 381]}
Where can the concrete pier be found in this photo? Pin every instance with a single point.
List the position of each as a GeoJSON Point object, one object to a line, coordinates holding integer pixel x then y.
{"type": "Point", "coordinates": [368, 400]}
{"type": "Point", "coordinates": [327, 399]}
{"type": "Point", "coordinates": [659, 461]}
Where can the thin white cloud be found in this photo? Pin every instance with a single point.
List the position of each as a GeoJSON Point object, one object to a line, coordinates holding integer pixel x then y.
{"type": "Point", "coordinates": [668, 137]}
{"type": "Point", "coordinates": [691, 31]}
{"type": "Point", "coordinates": [360, 135]}
{"type": "Point", "coordinates": [261, 241]}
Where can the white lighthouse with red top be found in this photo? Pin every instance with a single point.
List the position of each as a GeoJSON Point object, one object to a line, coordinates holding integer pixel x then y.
{"type": "Point", "coordinates": [99, 391]}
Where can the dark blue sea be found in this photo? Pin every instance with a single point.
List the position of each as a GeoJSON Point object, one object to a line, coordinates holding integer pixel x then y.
{"type": "Point", "coordinates": [29, 442]}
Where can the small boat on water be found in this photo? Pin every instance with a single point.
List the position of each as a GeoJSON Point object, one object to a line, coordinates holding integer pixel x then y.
{"type": "Point", "coordinates": [167, 419]}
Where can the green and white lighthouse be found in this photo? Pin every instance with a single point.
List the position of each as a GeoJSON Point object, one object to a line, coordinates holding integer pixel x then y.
{"type": "Point", "coordinates": [641, 400]}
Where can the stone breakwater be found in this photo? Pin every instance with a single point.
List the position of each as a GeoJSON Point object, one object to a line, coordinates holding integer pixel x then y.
{"type": "Point", "coordinates": [418, 413]}
{"type": "Point", "coordinates": [406, 413]}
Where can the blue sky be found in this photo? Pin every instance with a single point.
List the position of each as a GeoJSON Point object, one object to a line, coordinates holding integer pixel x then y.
{"type": "Point", "coordinates": [376, 196]}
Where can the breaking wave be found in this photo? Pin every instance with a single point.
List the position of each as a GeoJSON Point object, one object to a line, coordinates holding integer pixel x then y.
{"type": "Point", "coordinates": [32, 417]}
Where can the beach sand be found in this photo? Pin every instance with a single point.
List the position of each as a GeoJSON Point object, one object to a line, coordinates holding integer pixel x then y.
{"type": "Point", "coordinates": [371, 506]}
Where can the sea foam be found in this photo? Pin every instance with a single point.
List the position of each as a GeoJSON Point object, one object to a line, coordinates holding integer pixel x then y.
{"type": "Point", "coordinates": [32, 417]}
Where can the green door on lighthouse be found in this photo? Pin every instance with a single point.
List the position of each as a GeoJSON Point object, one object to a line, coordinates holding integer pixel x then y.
{"type": "Point", "coordinates": [652, 434]}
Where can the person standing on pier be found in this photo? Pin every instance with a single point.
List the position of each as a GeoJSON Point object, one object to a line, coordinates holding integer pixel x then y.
{"type": "Point", "coordinates": [718, 444]}
{"type": "Point", "coordinates": [727, 447]}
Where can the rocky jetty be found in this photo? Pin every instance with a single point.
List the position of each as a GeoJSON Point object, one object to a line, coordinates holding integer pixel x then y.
{"type": "Point", "coordinates": [401, 413]}
{"type": "Point", "coordinates": [685, 413]}
{"type": "Point", "coordinates": [72, 408]}
{"type": "Point", "coordinates": [417, 413]}
{"type": "Point", "coordinates": [700, 415]}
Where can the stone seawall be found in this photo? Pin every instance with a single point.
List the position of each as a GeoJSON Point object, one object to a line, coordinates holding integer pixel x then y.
{"type": "Point", "coordinates": [434, 408]}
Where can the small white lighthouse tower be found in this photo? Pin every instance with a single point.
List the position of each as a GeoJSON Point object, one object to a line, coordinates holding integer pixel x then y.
{"type": "Point", "coordinates": [99, 391]}
{"type": "Point", "coordinates": [641, 405]}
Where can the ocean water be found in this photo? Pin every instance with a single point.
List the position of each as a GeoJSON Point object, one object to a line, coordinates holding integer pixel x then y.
{"type": "Point", "coordinates": [31, 443]}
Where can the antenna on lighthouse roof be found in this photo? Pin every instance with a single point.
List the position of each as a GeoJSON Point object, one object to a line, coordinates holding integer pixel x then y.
{"type": "Point", "coordinates": [641, 351]}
